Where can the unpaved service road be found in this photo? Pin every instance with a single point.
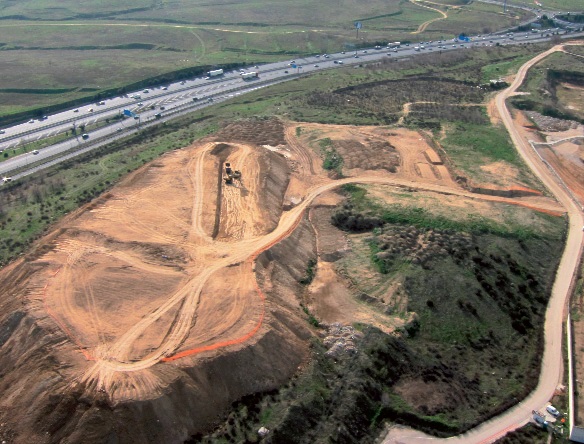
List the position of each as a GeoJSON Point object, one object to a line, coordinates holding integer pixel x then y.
{"type": "Point", "coordinates": [551, 369]}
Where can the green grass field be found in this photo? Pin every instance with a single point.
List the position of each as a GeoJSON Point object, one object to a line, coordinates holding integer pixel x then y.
{"type": "Point", "coordinates": [48, 47]}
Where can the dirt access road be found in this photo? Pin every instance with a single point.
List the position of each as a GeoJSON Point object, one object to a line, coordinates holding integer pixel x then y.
{"type": "Point", "coordinates": [551, 369]}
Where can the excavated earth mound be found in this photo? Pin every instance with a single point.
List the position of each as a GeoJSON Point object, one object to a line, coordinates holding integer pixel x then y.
{"type": "Point", "coordinates": [143, 315]}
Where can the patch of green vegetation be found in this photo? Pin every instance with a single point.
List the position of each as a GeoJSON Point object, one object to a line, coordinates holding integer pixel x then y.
{"type": "Point", "coordinates": [494, 71]}
{"type": "Point", "coordinates": [561, 5]}
{"type": "Point", "coordinates": [310, 272]}
{"type": "Point", "coordinates": [332, 160]}
{"type": "Point", "coordinates": [485, 141]}
{"type": "Point", "coordinates": [311, 319]}
{"type": "Point", "coordinates": [471, 147]}
{"type": "Point", "coordinates": [363, 213]}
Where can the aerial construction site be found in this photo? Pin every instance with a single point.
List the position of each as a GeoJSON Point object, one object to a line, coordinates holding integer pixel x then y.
{"type": "Point", "coordinates": [177, 292]}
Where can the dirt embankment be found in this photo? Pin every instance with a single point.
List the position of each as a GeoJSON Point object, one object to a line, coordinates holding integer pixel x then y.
{"type": "Point", "coordinates": [42, 402]}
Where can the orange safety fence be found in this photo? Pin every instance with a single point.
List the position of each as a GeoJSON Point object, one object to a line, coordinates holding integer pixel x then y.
{"type": "Point", "coordinates": [250, 334]}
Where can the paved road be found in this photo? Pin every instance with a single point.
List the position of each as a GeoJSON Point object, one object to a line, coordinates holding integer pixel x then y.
{"type": "Point", "coordinates": [551, 369]}
{"type": "Point", "coordinates": [180, 95]}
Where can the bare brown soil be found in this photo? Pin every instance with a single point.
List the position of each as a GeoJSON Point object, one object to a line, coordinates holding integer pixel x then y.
{"type": "Point", "coordinates": [148, 311]}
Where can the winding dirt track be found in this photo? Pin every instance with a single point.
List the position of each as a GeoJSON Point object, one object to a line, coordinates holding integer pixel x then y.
{"type": "Point", "coordinates": [551, 368]}
{"type": "Point", "coordinates": [424, 25]}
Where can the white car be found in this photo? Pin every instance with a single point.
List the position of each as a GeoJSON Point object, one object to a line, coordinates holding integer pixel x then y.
{"type": "Point", "coordinates": [2, 132]}
{"type": "Point", "coordinates": [552, 411]}
{"type": "Point", "coordinates": [31, 121]}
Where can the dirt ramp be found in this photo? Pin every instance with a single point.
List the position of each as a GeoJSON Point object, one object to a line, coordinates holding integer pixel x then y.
{"type": "Point", "coordinates": [251, 205]}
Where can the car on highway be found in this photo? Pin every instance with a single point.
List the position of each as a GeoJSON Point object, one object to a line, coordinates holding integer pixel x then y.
{"type": "Point", "coordinates": [120, 129]}
{"type": "Point", "coordinates": [164, 88]}
{"type": "Point", "coordinates": [35, 152]}
{"type": "Point", "coordinates": [31, 121]}
{"type": "Point", "coordinates": [552, 411]}
{"type": "Point", "coordinates": [285, 72]}
{"type": "Point", "coordinates": [90, 110]}
{"type": "Point", "coordinates": [316, 66]}
{"type": "Point", "coordinates": [75, 110]}
{"type": "Point", "coordinates": [2, 132]}
{"type": "Point", "coordinates": [7, 179]}
{"type": "Point", "coordinates": [85, 136]}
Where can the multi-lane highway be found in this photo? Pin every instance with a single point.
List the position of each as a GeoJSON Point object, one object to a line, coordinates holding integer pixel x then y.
{"type": "Point", "coordinates": [176, 98]}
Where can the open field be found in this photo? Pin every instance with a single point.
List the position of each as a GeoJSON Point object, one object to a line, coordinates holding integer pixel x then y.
{"type": "Point", "coordinates": [172, 265]}
{"type": "Point", "coordinates": [151, 40]}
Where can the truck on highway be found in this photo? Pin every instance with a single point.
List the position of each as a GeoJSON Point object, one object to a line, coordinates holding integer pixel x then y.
{"type": "Point", "coordinates": [394, 44]}
{"type": "Point", "coordinates": [215, 73]}
{"type": "Point", "coordinates": [249, 75]}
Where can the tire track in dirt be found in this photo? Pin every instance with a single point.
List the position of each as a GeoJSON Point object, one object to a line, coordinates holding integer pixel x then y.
{"type": "Point", "coordinates": [219, 201]}
{"type": "Point", "coordinates": [424, 25]}
{"type": "Point", "coordinates": [304, 157]}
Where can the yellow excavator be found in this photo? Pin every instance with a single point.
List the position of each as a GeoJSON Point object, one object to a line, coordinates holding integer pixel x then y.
{"type": "Point", "coordinates": [231, 174]}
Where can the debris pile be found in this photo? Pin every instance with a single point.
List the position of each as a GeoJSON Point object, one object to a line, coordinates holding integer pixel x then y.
{"type": "Point", "coordinates": [547, 123]}
{"type": "Point", "coordinates": [340, 340]}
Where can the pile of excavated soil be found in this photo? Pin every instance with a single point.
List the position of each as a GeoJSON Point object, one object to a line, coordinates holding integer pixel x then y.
{"type": "Point", "coordinates": [114, 286]}
{"type": "Point", "coordinates": [259, 131]}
